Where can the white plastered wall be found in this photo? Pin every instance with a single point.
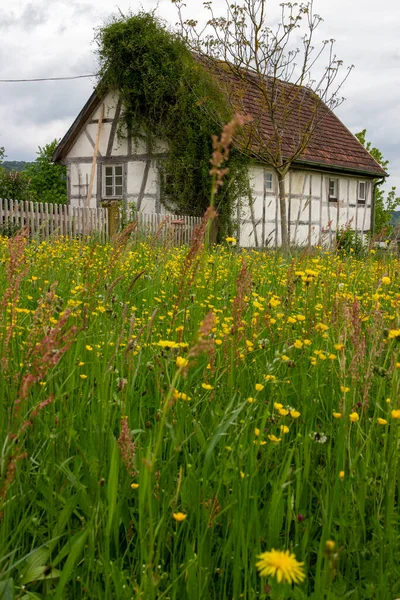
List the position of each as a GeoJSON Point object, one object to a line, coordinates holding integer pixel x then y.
{"type": "Point", "coordinates": [313, 218]}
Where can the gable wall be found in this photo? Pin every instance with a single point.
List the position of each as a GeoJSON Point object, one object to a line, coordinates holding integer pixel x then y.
{"type": "Point", "coordinates": [141, 177]}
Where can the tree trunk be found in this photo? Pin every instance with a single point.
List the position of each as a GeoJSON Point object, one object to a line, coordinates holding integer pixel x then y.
{"type": "Point", "coordinates": [283, 212]}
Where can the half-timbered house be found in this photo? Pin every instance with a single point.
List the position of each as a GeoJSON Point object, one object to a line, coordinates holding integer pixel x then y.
{"type": "Point", "coordinates": [329, 186]}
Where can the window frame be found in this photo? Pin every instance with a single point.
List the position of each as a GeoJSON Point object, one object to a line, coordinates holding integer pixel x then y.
{"type": "Point", "coordinates": [359, 199]}
{"type": "Point", "coordinates": [334, 198]}
{"type": "Point", "coordinates": [269, 174]}
{"type": "Point", "coordinates": [114, 195]}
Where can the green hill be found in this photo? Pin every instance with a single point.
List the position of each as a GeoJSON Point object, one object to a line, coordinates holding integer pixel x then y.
{"type": "Point", "coordinates": [15, 165]}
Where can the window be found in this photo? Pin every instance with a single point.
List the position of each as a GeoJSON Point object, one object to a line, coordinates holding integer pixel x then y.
{"type": "Point", "coordinates": [333, 190]}
{"type": "Point", "coordinates": [269, 182]}
{"type": "Point", "coordinates": [362, 192]}
{"type": "Point", "coordinates": [112, 181]}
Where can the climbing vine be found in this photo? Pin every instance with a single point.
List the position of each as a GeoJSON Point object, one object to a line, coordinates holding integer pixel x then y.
{"type": "Point", "coordinates": [167, 95]}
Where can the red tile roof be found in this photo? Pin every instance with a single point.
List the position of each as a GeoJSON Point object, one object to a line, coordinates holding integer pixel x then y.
{"type": "Point", "coordinates": [331, 144]}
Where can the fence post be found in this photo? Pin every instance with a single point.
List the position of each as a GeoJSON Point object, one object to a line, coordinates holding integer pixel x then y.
{"type": "Point", "coordinates": [113, 217]}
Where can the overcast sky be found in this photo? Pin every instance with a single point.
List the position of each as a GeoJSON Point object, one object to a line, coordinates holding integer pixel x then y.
{"type": "Point", "coordinates": [43, 38]}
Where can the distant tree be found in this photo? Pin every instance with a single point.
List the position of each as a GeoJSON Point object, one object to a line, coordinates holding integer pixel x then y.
{"type": "Point", "coordinates": [384, 205]}
{"type": "Point", "coordinates": [14, 185]}
{"type": "Point", "coordinates": [47, 181]}
{"type": "Point", "coordinates": [2, 154]}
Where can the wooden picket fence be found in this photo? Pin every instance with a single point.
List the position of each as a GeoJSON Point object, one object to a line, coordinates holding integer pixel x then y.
{"type": "Point", "coordinates": [176, 229]}
{"type": "Point", "coordinates": [44, 220]}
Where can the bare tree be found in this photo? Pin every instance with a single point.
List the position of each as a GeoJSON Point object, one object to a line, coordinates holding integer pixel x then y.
{"type": "Point", "coordinates": [275, 73]}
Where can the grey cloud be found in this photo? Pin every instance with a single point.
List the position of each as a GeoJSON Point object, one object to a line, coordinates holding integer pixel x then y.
{"type": "Point", "coordinates": [32, 16]}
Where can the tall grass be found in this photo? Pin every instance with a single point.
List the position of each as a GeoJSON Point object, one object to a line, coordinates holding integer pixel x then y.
{"type": "Point", "coordinates": [105, 436]}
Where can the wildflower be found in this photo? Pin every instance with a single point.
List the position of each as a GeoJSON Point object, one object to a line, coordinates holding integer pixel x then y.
{"type": "Point", "coordinates": [231, 240]}
{"type": "Point", "coordinates": [298, 344]}
{"type": "Point", "coordinates": [339, 346]}
{"type": "Point", "coordinates": [337, 415]}
{"type": "Point", "coordinates": [280, 564]}
{"type": "Point", "coordinates": [82, 376]}
{"type": "Point", "coordinates": [344, 389]}
{"type": "Point", "coordinates": [354, 417]}
{"type": "Point", "coordinates": [259, 387]}
{"type": "Point", "coordinates": [284, 429]}
{"type": "Point", "coordinates": [382, 421]}
{"type": "Point", "coordinates": [394, 334]}
{"type": "Point", "coordinates": [318, 437]}
{"type": "Point", "coordinates": [396, 414]}
{"type": "Point", "coordinates": [386, 280]}
{"type": "Point", "coordinates": [269, 377]}
{"type": "Point", "coordinates": [273, 438]}
{"type": "Point", "coordinates": [207, 386]}
{"type": "Point", "coordinates": [256, 432]}
{"type": "Point", "coordinates": [330, 544]}
{"type": "Point", "coordinates": [250, 400]}
{"type": "Point", "coordinates": [341, 474]}
{"type": "Point", "coordinates": [283, 412]}
{"type": "Point", "coordinates": [295, 414]}
{"type": "Point", "coordinates": [88, 348]}
{"type": "Point", "coordinates": [134, 486]}
{"type": "Point", "coordinates": [181, 362]}
{"type": "Point", "coordinates": [179, 516]}
{"type": "Point", "coordinates": [278, 405]}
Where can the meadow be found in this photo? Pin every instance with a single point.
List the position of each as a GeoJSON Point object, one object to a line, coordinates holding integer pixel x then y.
{"type": "Point", "coordinates": [180, 423]}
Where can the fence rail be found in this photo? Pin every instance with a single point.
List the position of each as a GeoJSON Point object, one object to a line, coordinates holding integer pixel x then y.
{"type": "Point", "coordinates": [46, 220]}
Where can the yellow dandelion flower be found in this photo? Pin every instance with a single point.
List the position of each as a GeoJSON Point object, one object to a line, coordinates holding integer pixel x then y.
{"type": "Point", "coordinates": [256, 431]}
{"type": "Point", "coordinates": [278, 405]}
{"type": "Point", "coordinates": [82, 376]}
{"type": "Point", "coordinates": [284, 429]}
{"type": "Point", "coordinates": [134, 486]}
{"type": "Point", "coordinates": [259, 387]}
{"type": "Point", "coordinates": [88, 348]}
{"type": "Point", "coordinates": [250, 400]}
{"type": "Point", "coordinates": [283, 412]}
{"type": "Point", "coordinates": [382, 421]}
{"type": "Point", "coordinates": [396, 414]}
{"type": "Point", "coordinates": [354, 417]}
{"type": "Point", "coordinates": [344, 389]}
{"type": "Point", "coordinates": [181, 362]}
{"type": "Point", "coordinates": [207, 386]}
{"type": "Point", "coordinates": [298, 344]}
{"type": "Point", "coordinates": [273, 438]}
{"type": "Point", "coordinates": [295, 414]}
{"type": "Point", "coordinates": [339, 346]}
{"type": "Point", "coordinates": [386, 280]}
{"type": "Point", "coordinates": [394, 334]}
{"type": "Point", "coordinates": [341, 474]}
{"type": "Point", "coordinates": [280, 564]}
{"type": "Point", "coordinates": [179, 516]}
{"type": "Point", "coordinates": [337, 415]}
